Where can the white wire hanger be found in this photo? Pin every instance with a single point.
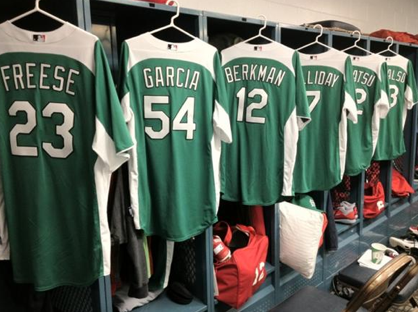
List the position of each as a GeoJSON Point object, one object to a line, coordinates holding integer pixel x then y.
{"type": "Point", "coordinates": [172, 25]}
{"type": "Point", "coordinates": [388, 49]}
{"type": "Point", "coordinates": [355, 45]}
{"type": "Point", "coordinates": [260, 35]}
{"type": "Point", "coordinates": [316, 40]}
{"type": "Point", "coordinates": [37, 9]}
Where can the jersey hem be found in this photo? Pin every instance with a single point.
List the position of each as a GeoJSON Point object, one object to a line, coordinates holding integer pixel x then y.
{"type": "Point", "coordinates": [182, 238]}
{"type": "Point", "coordinates": [249, 203]}
{"type": "Point", "coordinates": [125, 149]}
{"type": "Point", "coordinates": [352, 173]}
{"type": "Point", "coordinates": [322, 188]}
{"type": "Point", "coordinates": [393, 157]}
{"type": "Point", "coordinates": [45, 288]}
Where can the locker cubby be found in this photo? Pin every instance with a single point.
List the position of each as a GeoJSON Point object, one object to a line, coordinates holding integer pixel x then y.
{"type": "Point", "coordinates": [385, 177]}
{"type": "Point", "coordinates": [217, 26]}
{"type": "Point", "coordinates": [377, 171]}
{"type": "Point", "coordinates": [298, 36]}
{"type": "Point", "coordinates": [286, 273]}
{"type": "Point", "coordinates": [415, 171]}
{"type": "Point", "coordinates": [401, 164]}
{"type": "Point", "coordinates": [369, 222]}
{"type": "Point", "coordinates": [190, 267]}
{"type": "Point", "coordinates": [233, 212]}
{"type": "Point", "coordinates": [65, 298]}
{"type": "Point", "coordinates": [377, 45]}
{"type": "Point", "coordinates": [348, 190]}
{"type": "Point", "coordinates": [133, 18]}
{"type": "Point", "coordinates": [344, 40]}
{"type": "Point", "coordinates": [408, 50]}
{"type": "Point", "coordinates": [67, 10]}
{"type": "Point", "coordinates": [113, 21]}
{"type": "Point", "coordinates": [409, 159]}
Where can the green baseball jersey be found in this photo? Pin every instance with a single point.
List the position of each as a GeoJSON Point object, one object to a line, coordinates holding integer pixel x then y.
{"type": "Point", "coordinates": [306, 201]}
{"type": "Point", "coordinates": [403, 96]}
{"type": "Point", "coordinates": [322, 144]}
{"type": "Point", "coordinates": [174, 96]}
{"type": "Point", "coordinates": [371, 83]}
{"type": "Point", "coordinates": [62, 134]}
{"type": "Point", "coordinates": [268, 106]}
{"type": "Point", "coordinates": [4, 234]}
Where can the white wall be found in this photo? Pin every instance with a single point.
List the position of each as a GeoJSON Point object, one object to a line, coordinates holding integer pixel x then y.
{"type": "Point", "coordinates": [368, 15]}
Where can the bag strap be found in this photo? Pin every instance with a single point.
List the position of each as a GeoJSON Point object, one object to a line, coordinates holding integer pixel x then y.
{"type": "Point", "coordinates": [380, 189]}
{"type": "Point", "coordinates": [377, 191]}
{"type": "Point", "coordinates": [223, 230]}
{"type": "Point", "coordinates": [249, 230]}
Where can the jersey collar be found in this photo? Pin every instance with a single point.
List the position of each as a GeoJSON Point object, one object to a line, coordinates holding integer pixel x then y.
{"type": "Point", "coordinates": [320, 56]}
{"type": "Point", "coordinates": [258, 47]}
{"type": "Point", "coordinates": [29, 36]}
{"type": "Point", "coordinates": [174, 47]}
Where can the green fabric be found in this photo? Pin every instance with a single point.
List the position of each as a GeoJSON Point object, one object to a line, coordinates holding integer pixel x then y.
{"type": "Point", "coordinates": [176, 188]}
{"type": "Point", "coordinates": [391, 142]}
{"type": "Point", "coordinates": [110, 115]}
{"type": "Point", "coordinates": [360, 138]}
{"type": "Point", "coordinates": [253, 165]}
{"type": "Point", "coordinates": [306, 201]}
{"type": "Point", "coordinates": [318, 158]}
{"type": "Point", "coordinates": [302, 104]}
{"type": "Point", "coordinates": [51, 204]}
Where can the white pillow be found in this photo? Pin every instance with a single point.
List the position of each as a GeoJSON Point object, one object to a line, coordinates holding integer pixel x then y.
{"type": "Point", "coordinates": [300, 232]}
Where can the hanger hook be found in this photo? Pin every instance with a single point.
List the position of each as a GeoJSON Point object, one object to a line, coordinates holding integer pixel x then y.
{"type": "Point", "coordinates": [177, 10]}
{"type": "Point", "coordinates": [359, 36]}
{"type": "Point", "coordinates": [320, 33]}
{"type": "Point", "coordinates": [264, 23]}
{"type": "Point", "coordinates": [391, 41]}
{"type": "Point", "coordinates": [37, 4]}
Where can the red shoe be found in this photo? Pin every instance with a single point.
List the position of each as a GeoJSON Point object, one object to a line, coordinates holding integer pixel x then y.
{"type": "Point", "coordinates": [414, 229]}
{"type": "Point", "coordinates": [220, 250]}
{"type": "Point", "coordinates": [346, 213]}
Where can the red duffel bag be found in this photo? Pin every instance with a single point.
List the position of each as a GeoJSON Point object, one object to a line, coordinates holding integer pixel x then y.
{"type": "Point", "coordinates": [374, 200]}
{"type": "Point", "coordinates": [240, 276]}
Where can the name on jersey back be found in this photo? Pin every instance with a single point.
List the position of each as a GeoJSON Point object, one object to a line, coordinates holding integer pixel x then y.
{"type": "Point", "coordinates": [38, 76]}
{"type": "Point", "coordinates": [254, 72]}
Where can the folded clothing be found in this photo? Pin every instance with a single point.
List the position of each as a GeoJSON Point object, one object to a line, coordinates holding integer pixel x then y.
{"type": "Point", "coordinates": [400, 186]}
{"type": "Point", "coordinates": [366, 261]}
{"type": "Point", "coordinates": [396, 35]}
